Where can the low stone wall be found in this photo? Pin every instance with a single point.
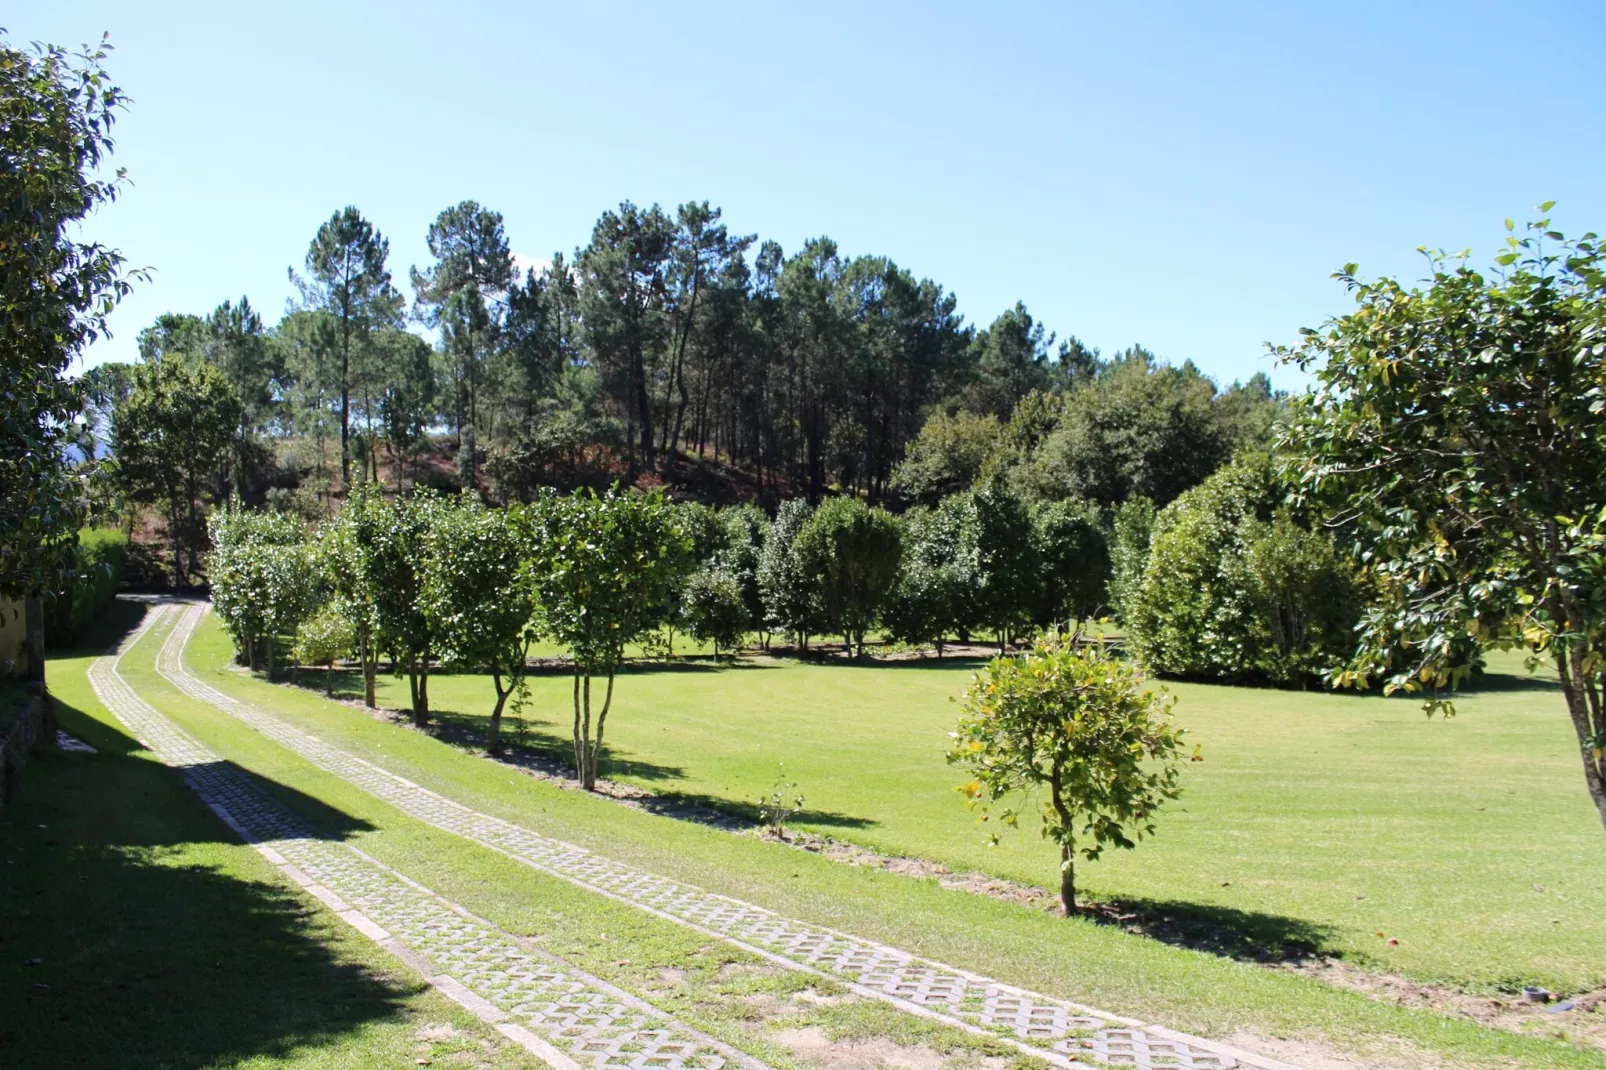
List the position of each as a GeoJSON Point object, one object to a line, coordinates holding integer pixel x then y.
{"type": "Point", "coordinates": [17, 743]}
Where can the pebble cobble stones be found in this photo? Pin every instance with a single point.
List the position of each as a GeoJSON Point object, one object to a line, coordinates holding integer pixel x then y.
{"type": "Point", "coordinates": [1058, 1031]}
{"type": "Point", "coordinates": [563, 1015]}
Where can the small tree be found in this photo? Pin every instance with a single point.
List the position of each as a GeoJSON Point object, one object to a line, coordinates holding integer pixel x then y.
{"type": "Point", "coordinates": [1080, 727]}
{"type": "Point", "coordinates": [1008, 571]}
{"type": "Point", "coordinates": [253, 590]}
{"type": "Point", "coordinates": [479, 597]}
{"type": "Point", "coordinates": [936, 577]}
{"type": "Point", "coordinates": [712, 609]}
{"type": "Point", "coordinates": [849, 553]}
{"type": "Point", "coordinates": [392, 543]}
{"type": "Point", "coordinates": [603, 568]}
{"type": "Point", "coordinates": [1074, 552]}
{"type": "Point", "coordinates": [324, 637]}
{"type": "Point", "coordinates": [1454, 435]}
{"type": "Point", "coordinates": [790, 602]}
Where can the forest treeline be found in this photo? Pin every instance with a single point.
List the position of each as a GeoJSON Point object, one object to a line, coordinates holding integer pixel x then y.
{"type": "Point", "coordinates": [663, 342]}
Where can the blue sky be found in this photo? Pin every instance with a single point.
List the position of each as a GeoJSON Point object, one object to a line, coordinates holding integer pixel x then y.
{"type": "Point", "coordinates": [1186, 175]}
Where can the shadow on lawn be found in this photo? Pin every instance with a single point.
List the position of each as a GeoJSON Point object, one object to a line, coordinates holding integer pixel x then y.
{"type": "Point", "coordinates": [1245, 935]}
{"type": "Point", "coordinates": [115, 950]}
{"type": "Point", "coordinates": [551, 756]}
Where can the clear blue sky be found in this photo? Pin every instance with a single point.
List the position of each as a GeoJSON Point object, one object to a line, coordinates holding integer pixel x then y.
{"type": "Point", "coordinates": [1186, 174]}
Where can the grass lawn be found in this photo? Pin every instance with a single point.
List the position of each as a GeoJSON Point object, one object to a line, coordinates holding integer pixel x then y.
{"type": "Point", "coordinates": [161, 941]}
{"type": "Point", "coordinates": [1315, 819]}
{"type": "Point", "coordinates": [1071, 958]}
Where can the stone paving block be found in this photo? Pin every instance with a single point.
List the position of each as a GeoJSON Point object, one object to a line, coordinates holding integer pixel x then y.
{"type": "Point", "coordinates": [595, 1023]}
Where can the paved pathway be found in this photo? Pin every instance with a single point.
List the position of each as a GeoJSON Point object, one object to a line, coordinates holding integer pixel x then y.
{"type": "Point", "coordinates": [1060, 1032]}
{"type": "Point", "coordinates": [568, 1018]}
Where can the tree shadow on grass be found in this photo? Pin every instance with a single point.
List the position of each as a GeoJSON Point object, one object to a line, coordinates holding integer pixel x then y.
{"type": "Point", "coordinates": [1245, 935]}
{"type": "Point", "coordinates": [149, 954]}
{"type": "Point", "coordinates": [551, 756]}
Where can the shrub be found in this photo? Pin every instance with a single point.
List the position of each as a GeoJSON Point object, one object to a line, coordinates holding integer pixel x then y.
{"type": "Point", "coordinates": [1236, 589]}
{"type": "Point", "coordinates": [98, 565]}
{"type": "Point", "coordinates": [324, 638]}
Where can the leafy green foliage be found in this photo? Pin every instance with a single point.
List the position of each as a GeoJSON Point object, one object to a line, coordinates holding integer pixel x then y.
{"type": "Point", "coordinates": [56, 110]}
{"type": "Point", "coordinates": [713, 610]}
{"type": "Point", "coordinates": [264, 576]}
{"type": "Point", "coordinates": [1073, 551]}
{"type": "Point", "coordinates": [1139, 428]}
{"type": "Point", "coordinates": [790, 603]}
{"type": "Point", "coordinates": [1233, 588]}
{"type": "Point", "coordinates": [1454, 437]}
{"type": "Point", "coordinates": [1080, 727]}
{"type": "Point", "coordinates": [849, 553]}
{"type": "Point", "coordinates": [172, 434]}
{"type": "Point", "coordinates": [937, 576]}
{"type": "Point", "coordinates": [98, 563]}
{"type": "Point", "coordinates": [1131, 531]}
{"type": "Point", "coordinates": [479, 596]}
{"type": "Point", "coordinates": [947, 456]}
{"type": "Point", "coordinates": [604, 567]}
{"type": "Point", "coordinates": [389, 544]}
{"type": "Point", "coordinates": [323, 638]}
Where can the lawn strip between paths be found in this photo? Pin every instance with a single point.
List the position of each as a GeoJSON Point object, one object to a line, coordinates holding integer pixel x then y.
{"type": "Point", "coordinates": [564, 1016]}
{"type": "Point", "coordinates": [1057, 1031]}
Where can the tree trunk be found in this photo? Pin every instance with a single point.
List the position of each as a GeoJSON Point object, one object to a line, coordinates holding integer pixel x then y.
{"type": "Point", "coordinates": [579, 744]}
{"type": "Point", "coordinates": [493, 734]}
{"type": "Point", "coordinates": [588, 771]}
{"type": "Point", "coordinates": [1068, 880]}
{"type": "Point", "coordinates": [602, 718]}
{"type": "Point", "coordinates": [1589, 722]}
{"type": "Point", "coordinates": [329, 677]}
{"type": "Point", "coordinates": [370, 669]}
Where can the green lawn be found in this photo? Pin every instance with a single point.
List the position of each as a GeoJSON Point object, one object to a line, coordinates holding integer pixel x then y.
{"type": "Point", "coordinates": [1075, 958]}
{"type": "Point", "coordinates": [161, 941]}
{"type": "Point", "coordinates": [1314, 819]}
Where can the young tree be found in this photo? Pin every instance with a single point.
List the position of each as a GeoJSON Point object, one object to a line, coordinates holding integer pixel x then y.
{"type": "Point", "coordinates": [790, 603]}
{"type": "Point", "coordinates": [1454, 438]}
{"type": "Point", "coordinates": [712, 609]}
{"type": "Point", "coordinates": [934, 595]}
{"type": "Point", "coordinates": [849, 554]}
{"type": "Point", "coordinates": [1008, 571]}
{"type": "Point", "coordinates": [1075, 555]}
{"type": "Point", "coordinates": [465, 294]}
{"type": "Point", "coordinates": [1079, 726]}
{"type": "Point", "coordinates": [391, 544]}
{"type": "Point", "coordinates": [479, 596]}
{"type": "Point", "coordinates": [324, 637]}
{"type": "Point", "coordinates": [262, 575]}
{"type": "Point", "coordinates": [351, 572]}
{"type": "Point", "coordinates": [56, 111]}
{"type": "Point", "coordinates": [347, 278]}
{"type": "Point", "coordinates": [603, 568]}
{"type": "Point", "coordinates": [172, 436]}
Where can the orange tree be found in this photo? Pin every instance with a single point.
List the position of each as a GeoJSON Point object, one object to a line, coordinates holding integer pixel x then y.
{"type": "Point", "coordinates": [1077, 732]}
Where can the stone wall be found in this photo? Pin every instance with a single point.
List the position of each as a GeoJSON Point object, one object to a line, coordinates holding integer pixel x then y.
{"type": "Point", "coordinates": [17, 741]}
